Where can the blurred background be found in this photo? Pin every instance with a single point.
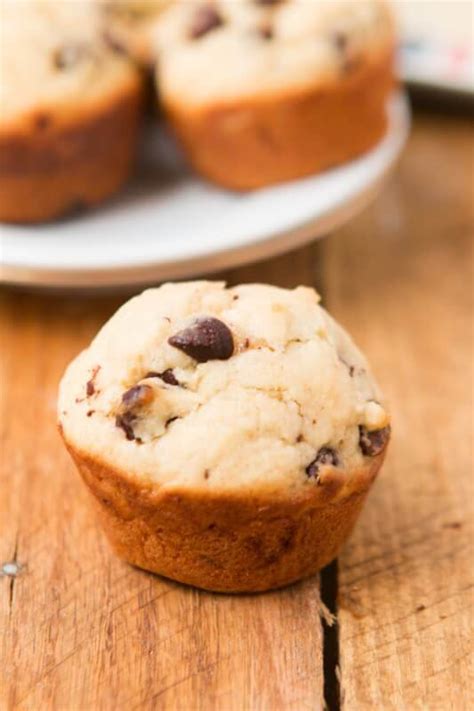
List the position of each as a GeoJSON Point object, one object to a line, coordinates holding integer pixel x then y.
{"type": "Point", "coordinates": [437, 44]}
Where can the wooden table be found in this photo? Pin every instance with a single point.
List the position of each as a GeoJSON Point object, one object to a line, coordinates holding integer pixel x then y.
{"type": "Point", "coordinates": [81, 630]}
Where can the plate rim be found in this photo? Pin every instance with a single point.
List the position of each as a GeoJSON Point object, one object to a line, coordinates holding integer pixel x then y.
{"type": "Point", "coordinates": [211, 259]}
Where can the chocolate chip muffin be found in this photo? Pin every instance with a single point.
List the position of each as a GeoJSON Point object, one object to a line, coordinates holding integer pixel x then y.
{"type": "Point", "coordinates": [70, 105]}
{"type": "Point", "coordinates": [263, 91]}
{"type": "Point", "coordinates": [229, 436]}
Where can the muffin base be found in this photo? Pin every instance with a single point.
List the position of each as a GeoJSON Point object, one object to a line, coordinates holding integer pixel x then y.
{"type": "Point", "coordinates": [226, 542]}
{"type": "Point", "coordinates": [53, 164]}
{"type": "Point", "coordinates": [268, 140]}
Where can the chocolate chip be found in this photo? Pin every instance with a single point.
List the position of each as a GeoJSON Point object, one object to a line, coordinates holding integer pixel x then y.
{"type": "Point", "coordinates": [113, 43]}
{"type": "Point", "coordinates": [266, 31]}
{"type": "Point", "coordinates": [171, 419]}
{"type": "Point", "coordinates": [267, 2]}
{"type": "Point", "coordinates": [167, 376]}
{"type": "Point", "coordinates": [373, 443]}
{"type": "Point", "coordinates": [125, 422]}
{"type": "Point", "coordinates": [205, 20]}
{"type": "Point", "coordinates": [90, 385]}
{"type": "Point", "coordinates": [66, 57]}
{"type": "Point", "coordinates": [350, 368]}
{"type": "Point", "coordinates": [137, 396]}
{"type": "Point", "coordinates": [350, 60]}
{"type": "Point", "coordinates": [340, 40]}
{"type": "Point", "coordinates": [325, 457]}
{"type": "Point", "coordinates": [206, 339]}
{"type": "Point", "coordinates": [90, 413]}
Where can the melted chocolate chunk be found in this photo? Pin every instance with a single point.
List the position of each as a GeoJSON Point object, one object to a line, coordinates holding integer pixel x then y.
{"type": "Point", "coordinates": [167, 376]}
{"type": "Point", "coordinates": [325, 457]}
{"type": "Point", "coordinates": [205, 20]}
{"type": "Point", "coordinates": [206, 339]}
{"type": "Point", "coordinates": [125, 422]}
{"type": "Point", "coordinates": [373, 443]}
{"type": "Point", "coordinates": [137, 396]}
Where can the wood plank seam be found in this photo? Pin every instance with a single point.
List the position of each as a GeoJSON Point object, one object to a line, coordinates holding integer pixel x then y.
{"type": "Point", "coordinates": [12, 575]}
{"type": "Point", "coordinates": [330, 627]}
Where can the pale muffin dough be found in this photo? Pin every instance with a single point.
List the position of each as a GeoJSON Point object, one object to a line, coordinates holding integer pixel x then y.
{"type": "Point", "coordinates": [256, 49]}
{"type": "Point", "coordinates": [55, 56]}
{"type": "Point", "coordinates": [294, 384]}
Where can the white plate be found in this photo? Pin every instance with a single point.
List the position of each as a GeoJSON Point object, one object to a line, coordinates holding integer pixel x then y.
{"type": "Point", "coordinates": [170, 224]}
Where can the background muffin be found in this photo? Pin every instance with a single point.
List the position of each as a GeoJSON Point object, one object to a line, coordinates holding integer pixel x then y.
{"type": "Point", "coordinates": [229, 435]}
{"type": "Point", "coordinates": [262, 91]}
{"type": "Point", "coordinates": [70, 107]}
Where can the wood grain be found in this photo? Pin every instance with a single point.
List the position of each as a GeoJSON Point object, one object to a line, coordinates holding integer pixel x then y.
{"type": "Point", "coordinates": [400, 278]}
{"type": "Point", "coordinates": [81, 630]}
